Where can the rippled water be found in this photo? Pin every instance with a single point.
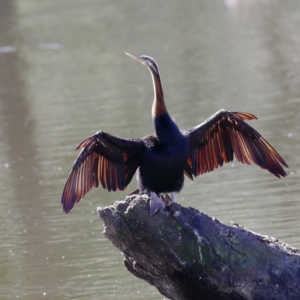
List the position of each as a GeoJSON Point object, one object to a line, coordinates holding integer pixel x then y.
{"type": "Point", "coordinates": [64, 75]}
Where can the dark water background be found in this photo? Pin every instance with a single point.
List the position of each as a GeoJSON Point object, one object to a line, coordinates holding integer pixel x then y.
{"type": "Point", "coordinates": [64, 75]}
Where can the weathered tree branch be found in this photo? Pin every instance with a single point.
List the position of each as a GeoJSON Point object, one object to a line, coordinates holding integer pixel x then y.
{"type": "Point", "coordinates": [188, 255]}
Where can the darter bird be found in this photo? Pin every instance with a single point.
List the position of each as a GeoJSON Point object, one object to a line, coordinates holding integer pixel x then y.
{"type": "Point", "coordinates": [162, 159]}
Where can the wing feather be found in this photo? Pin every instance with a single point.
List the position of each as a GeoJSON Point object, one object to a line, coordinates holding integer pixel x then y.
{"type": "Point", "coordinates": [104, 159]}
{"type": "Point", "coordinates": [225, 135]}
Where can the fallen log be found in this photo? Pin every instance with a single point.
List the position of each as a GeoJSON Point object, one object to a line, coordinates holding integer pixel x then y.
{"type": "Point", "coordinates": [187, 254]}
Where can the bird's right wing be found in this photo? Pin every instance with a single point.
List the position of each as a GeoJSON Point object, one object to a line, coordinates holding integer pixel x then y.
{"type": "Point", "coordinates": [104, 159]}
{"type": "Point", "coordinates": [226, 133]}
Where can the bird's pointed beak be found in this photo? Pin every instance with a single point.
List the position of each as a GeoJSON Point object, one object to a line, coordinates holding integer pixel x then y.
{"type": "Point", "coordinates": [136, 58]}
{"type": "Point", "coordinates": [146, 61]}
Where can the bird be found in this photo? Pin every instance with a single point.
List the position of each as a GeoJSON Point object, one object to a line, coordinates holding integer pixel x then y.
{"type": "Point", "coordinates": [164, 157]}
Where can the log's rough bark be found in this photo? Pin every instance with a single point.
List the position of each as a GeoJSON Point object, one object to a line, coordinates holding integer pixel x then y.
{"type": "Point", "coordinates": [188, 255]}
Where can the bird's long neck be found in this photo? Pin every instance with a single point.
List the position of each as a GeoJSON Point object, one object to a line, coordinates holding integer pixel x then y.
{"type": "Point", "coordinates": [165, 128]}
{"type": "Point", "coordinates": [158, 106]}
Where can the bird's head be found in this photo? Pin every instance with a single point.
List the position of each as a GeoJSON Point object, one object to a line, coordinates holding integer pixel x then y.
{"type": "Point", "coordinates": [146, 61]}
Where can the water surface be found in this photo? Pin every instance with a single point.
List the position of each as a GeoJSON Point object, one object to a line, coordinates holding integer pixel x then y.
{"type": "Point", "coordinates": [64, 75]}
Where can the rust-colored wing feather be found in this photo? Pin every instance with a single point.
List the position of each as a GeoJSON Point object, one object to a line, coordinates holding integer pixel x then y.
{"type": "Point", "coordinates": [225, 133]}
{"type": "Point", "coordinates": [104, 159]}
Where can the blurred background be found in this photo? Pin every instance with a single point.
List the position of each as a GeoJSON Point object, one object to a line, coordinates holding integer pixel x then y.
{"type": "Point", "coordinates": [64, 75]}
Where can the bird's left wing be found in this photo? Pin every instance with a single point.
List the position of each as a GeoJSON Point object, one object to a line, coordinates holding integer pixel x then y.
{"type": "Point", "coordinates": [226, 133]}
{"type": "Point", "coordinates": [105, 159]}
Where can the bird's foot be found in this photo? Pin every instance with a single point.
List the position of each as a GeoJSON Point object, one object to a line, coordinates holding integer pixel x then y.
{"type": "Point", "coordinates": [160, 201]}
{"type": "Point", "coordinates": [173, 197]}
{"type": "Point", "coordinates": [166, 199]}
{"type": "Point", "coordinates": [156, 203]}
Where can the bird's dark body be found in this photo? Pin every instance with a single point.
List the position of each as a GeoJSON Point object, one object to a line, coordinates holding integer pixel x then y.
{"type": "Point", "coordinates": [162, 165]}
{"type": "Point", "coordinates": [163, 158]}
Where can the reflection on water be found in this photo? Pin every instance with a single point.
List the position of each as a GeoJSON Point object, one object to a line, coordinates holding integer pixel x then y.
{"type": "Point", "coordinates": [63, 76]}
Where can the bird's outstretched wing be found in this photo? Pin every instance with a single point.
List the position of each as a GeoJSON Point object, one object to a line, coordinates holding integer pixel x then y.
{"type": "Point", "coordinates": [225, 133]}
{"type": "Point", "coordinates": [104, 159]}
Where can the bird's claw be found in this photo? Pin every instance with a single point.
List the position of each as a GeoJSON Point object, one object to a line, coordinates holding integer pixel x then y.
{"type": "Point", "coordinates": [158, 202]}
